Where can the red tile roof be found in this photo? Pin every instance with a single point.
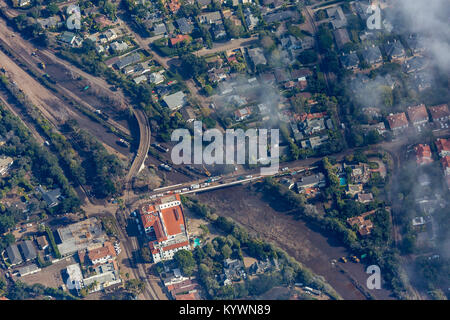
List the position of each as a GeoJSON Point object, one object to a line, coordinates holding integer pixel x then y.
{"type": "Point", "coordinates": [397, 120]}
{"type": "Point", "coordinates": [417, 113]}
{"type": "Point", "coordinates": [446, 162]}
{"type": "Point", "coordinates": [165, 222]}
{"type": "Point", "coordinates": [438, 112]}
{"type": "Point", "coordinates": [423, 154]}
{"type": "Point", "coordinates": [179, 38]}
{"type": "Point", "coordinates": [189, 296]}
{"type": "Point", "coordinates": [103, 252]}
{"type": "Point", "coordinates": [443, 145]}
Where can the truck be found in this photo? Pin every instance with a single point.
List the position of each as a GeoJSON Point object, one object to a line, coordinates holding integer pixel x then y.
{"type": "Point", "coordinates": [195, 186]}
{"type": "Point", "coordinates": [123, 143]}
{"type": "Point", "coordinates": [159, 147]}
{"type": "Point", "coordinates": [165, 167]}
{"type": "Point", "coordinates": [355, 259]}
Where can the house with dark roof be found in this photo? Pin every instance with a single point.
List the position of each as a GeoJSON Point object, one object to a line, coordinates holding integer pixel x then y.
{"type": "Point", "coordinates": [184, 25]}
{"type": "Point", "coordinates": [14, 255]}
{"type": "Point", "coordinates": [414, 64]}
{"type": "Point", "coordinates": [159, 29]}
{"type": "Point", "coordinates": [394, 50]}
{"type": "Point", "coordinates": [415, 44]}
{"type": "Point", "coordinates": [28, 250]}
{"type": "Point", "coordinates": [51, 197]}
{"type": "Point", "coordinates": [372, 55]}
{"type": "Point", "coordinates": [341, 37]}
{"type": "Point", "coordinates": [128, 60]}
{"type": "Point", "coordinates": [312, 181]}
{"type": "Point", "coordinates": [350, 61]}
{"type": "Point", "coordinates": [337, 16]}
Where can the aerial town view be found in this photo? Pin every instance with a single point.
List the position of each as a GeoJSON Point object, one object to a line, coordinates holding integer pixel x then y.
{"type": "Point", "coordinates": [224, 150]}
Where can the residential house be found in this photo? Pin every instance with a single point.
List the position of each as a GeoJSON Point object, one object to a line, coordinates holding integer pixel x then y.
{"type": "Point", "coordinates": [338, 19]}
{"type": "Point", "coordinates": [423, 154]}
{"type": "Point", "coordinates": [5, 164]}
{"type": "Point", "coordinates": [159, 29]}
{"type": "Point", "coordinates": [443, 147]}
{"type": "Point", "coordinates": [184, 25]}
{"type": "Point", "coordinates": [102, 255]}
{"type": "Point", "coordinates": [314, 142]}
{"type": "Point", "coordinates": [440, 113]}
{"type": "Point", "coordinates": [311, 181]}
{"type": "Point", "coordinates": [281, 16]}
{"type": "Point", "coordinates": [365, 197]}
{"type": "Point", "coordinates": [349, 61]}
{"type": "Point", "coordinates": [179, 38]}
{"type": "Point", "coordinates": [372, 55]}
{"type": "Point", "coordinates": [175, 101]}
{"type": "Point", "coordinates": [234, 270]}
{"type": "Point", "coordinates": [364, 225]}
{"type": "Point", "coordinates": [394, 50]}
{"type": "Point", "coordinates": [219, 31]}
{"type": "Point", "coordinates": [14, 255]}
{"type": "Point", "coordinates": [415, 43]}
{"type": "Point", "coordinates": [397, 122]}
{"type": "Point", "coordinates": [128, 60]}
{"type": "Point", "coordinates": [29, 269]}
{"type": "Point", "coordinates": [28, 250]}
{"type": "Point", "coordinates": [203, 3]}
{"type": "Point", "coordinates": [50, 197]}
{"type": "Point", "coordinates": [257, 56]}
{"type": "Point", "coordinates": [415, 64]}
{"type": "Point", "coordinates": [42, 242]}
{"type": "Point", "coordinates": [354, 189]}
{"type": "Point", "coordinates": [341, 37]}
{"type": "Point", "coordinates": [164, 224]}
{"type": "Point", "coordinates": [210, 18]}
{"type": "Point", "coordinates": [117, 47]}
{"type": "Point", "coordinates": [418, 115]}
{"type": "Point", "coordinates": [156, 78]}
{"type": "Point", "coordinates": [242, 114]}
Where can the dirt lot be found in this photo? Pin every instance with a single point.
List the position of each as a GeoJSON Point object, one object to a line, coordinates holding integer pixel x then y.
{"type": "Point", "coordinates": [49, 276]}
{"type": "Point", "coordinates": [296, 237]}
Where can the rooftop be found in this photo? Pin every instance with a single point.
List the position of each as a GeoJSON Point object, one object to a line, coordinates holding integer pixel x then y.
{"type": "Point", "coordinates": [397, 121]}
{"type": "Point", "coordinates": [417, 113]}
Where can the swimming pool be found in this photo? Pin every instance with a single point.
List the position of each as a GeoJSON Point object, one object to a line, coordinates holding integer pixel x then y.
{"type": "Point", "coordinates": [342, 181]}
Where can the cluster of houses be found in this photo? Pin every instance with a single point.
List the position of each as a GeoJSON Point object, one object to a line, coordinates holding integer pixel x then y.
{"type": "Point", "coordinates": [99, 271]}
{"type": "Point", "coordinates": [419, 117]}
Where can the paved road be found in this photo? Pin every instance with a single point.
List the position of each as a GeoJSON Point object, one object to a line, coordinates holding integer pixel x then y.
{"type": "Point", "coordinates": [144, 144]}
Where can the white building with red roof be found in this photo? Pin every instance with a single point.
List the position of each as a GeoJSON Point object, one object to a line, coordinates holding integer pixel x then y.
{"type": "Point", "coordinates": [164, 224]}
{"type": "Point", "coordinates": [418, 115]}
{"type": "Point", "coordinates": [397, 122]}
{"type": "Point", "coordinates": [423, 154]}
{"type": "Point", "coordinates": [440, 113]}
{"type": "Point", "coordinates": [443, 147]}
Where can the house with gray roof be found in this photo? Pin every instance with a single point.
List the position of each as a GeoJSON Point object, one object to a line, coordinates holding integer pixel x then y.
{"type": "Point", "coordinates": [14, 255]}
{"type": "Point", "coordinates": [349, 61]}
{"type": "Point", "coordinates": [28, 250]}
{"type": "Point", "coordinates": [210, 17]}
{"type": "Point", "coordinates": [184, 25]}
{"type": "Point", "coordinates": [128, 60]}
{"type": "Point", "coordinates": [257, 56]}
{"type": "Point", "coordinates": [372, 55]}
{"type": "Point", "coordinates": [175, 101]}
{"type": "Point", "coordinates": [338, 19]}
{"type": "Point", "coordinates": [50, 197]}
{"type": "Point", "coordinates": [159, 29]}
{"type": "Point", "coordinates": [312, 181]}
{"type": "Point", "coordinates": [394, 50]}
